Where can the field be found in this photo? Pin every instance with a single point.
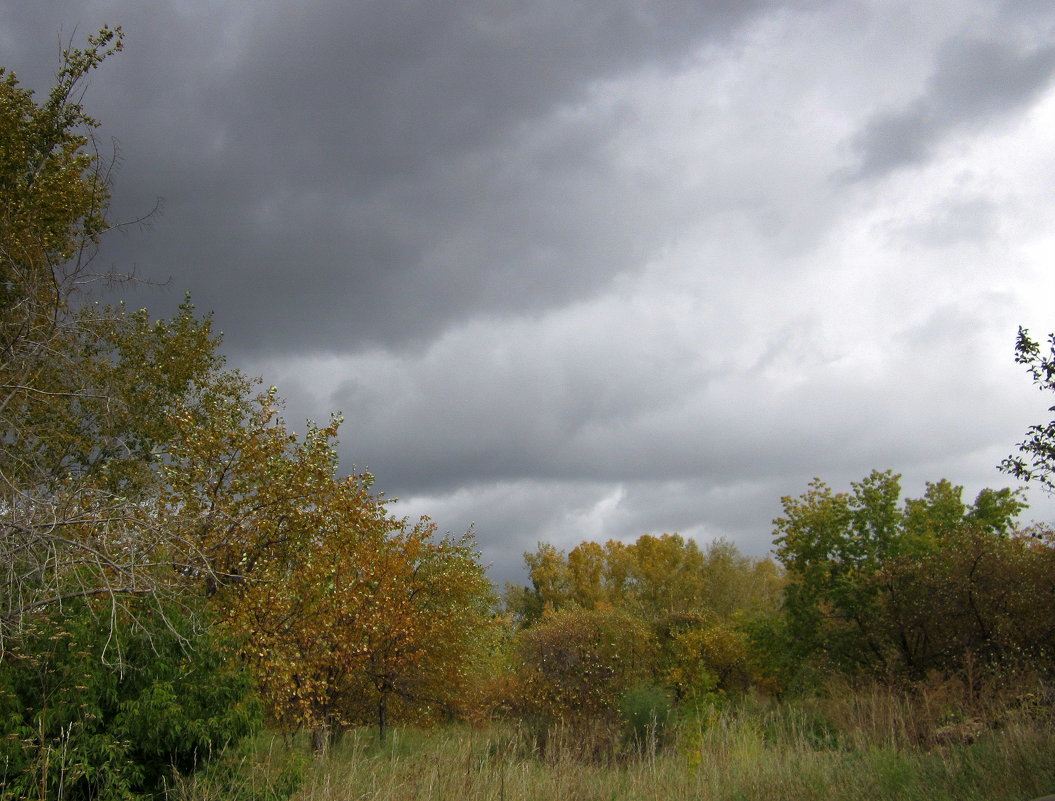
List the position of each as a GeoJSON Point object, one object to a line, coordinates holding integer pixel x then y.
{"type": "Point", "coordinates": [866, 744]}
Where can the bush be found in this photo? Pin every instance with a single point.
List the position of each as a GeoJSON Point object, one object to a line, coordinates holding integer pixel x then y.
{"type": "Point", "coordinates": [101, 709]}
{"type": "Point", "coordinates": [576, 664]}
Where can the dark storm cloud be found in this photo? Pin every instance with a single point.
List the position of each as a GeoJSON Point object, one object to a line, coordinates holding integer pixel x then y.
{"type": "Point", "coordinates": [381, 148]}
{"type": "Point", "coordinates": [974, 82]}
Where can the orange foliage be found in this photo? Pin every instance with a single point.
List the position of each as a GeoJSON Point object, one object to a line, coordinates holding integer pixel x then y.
{"type": "Point", "coordinates": [346, 613]}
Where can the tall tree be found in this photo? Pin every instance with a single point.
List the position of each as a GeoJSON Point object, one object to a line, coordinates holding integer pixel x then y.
{"type": "Point", "coordinates": [54, 190]}
{"type": "Point", "coordinates": [137, 472]}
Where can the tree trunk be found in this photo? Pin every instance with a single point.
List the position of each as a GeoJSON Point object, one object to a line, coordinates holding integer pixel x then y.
{"type": "Point", "coordinates": [382, 715]}
{"type": "Point", "coordinates": [320, 739]}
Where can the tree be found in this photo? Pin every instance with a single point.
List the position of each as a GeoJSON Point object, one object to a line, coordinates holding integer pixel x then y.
{"type": "Point", "coordinates": [86, 512]}
{"type": "Point", "coordinates": [975, 601]}
{"type": "Point", "coordinates": [431, 618]}
{"type": "Point", "coordinates": [843, 550]}
{"type": "Point", "coordinates": [1036, 458]}
{"type": "Point", "coordinates": [346, 613]}
{"type": "Point", "coordinates": [55, 191]}
{"type": "Point", "coordinates": [84, 392]}
{"type": "Point", "coordinates": [376, 626]}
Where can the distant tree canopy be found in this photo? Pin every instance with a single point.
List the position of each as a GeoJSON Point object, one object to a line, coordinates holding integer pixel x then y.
{"type": "Point", "coordinates": [655, 578]}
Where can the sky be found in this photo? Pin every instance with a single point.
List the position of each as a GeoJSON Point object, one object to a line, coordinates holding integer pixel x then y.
{"type": "Point", "coordinates": [576, 270]}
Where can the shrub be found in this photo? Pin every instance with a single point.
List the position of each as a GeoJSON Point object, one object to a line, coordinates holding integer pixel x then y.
{"type": "Point", "coordinates": [101, 709]}
{"type": "Point", "coordinates": [576, 665]}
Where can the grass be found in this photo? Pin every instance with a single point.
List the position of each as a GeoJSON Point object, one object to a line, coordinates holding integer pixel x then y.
{"type": "Point", "coordinates": [861, 744]}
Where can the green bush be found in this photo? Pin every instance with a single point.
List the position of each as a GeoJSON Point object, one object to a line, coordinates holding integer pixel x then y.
{"type": "Point", "coordinates": [104, 709]}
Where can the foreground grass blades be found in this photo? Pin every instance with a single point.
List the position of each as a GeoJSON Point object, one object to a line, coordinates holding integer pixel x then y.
{"type": "Point", "coordinates": [870, 745]}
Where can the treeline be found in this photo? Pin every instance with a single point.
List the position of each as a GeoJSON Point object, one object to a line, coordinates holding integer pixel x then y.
{"type": "Point", "coordinates": [180, 569]}
{"type": "Point", "coordinates": [869, 585]}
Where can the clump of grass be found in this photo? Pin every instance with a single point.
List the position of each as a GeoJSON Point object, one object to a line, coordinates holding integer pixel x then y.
{"type": "Point", "coordinates": [267, 768]}
{"type": "Point", "coordinates": [646, 711]}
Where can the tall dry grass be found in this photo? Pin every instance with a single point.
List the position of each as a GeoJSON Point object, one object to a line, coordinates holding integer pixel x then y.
{"type": "Point", "coordinates": [941, 741]}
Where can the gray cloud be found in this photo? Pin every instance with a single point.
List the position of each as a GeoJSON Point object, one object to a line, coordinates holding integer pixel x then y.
{"type": "Point", "coordinates": [974, 82]}
{"type": "Point", "coordinates": [578, 270]}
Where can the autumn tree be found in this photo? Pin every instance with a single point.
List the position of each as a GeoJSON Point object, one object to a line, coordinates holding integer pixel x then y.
{"type": "Point", "coordinates": [289, 547]}
{"type": "Point", "coordinates": [377, 625]}
{"type": "Point", "coordinates": [432, 611]}
{"type": "Point", "coordinates": [347, 614]}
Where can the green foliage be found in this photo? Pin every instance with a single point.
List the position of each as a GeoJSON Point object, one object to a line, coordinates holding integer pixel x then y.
{"type": "Point", "coordinates": [1035, 460]}
{"type": "Point", "coordinates": [97, 708]}
{"type": "Point", "coordinates": [774, 663]}
{"type": "Point", "coordinates": [108, 682]}
{"type": "Point", "coordinates": [87, 510]}
{"type": "Point", "coordinates": [880, 585]}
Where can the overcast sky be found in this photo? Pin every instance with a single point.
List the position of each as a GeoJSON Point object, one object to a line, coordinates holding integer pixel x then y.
{"type": "Point", "coordinates": [586, 270]}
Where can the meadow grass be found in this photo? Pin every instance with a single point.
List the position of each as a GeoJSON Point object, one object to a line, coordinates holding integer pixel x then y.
{"type": "Point", "coordinates": [870, 745]}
